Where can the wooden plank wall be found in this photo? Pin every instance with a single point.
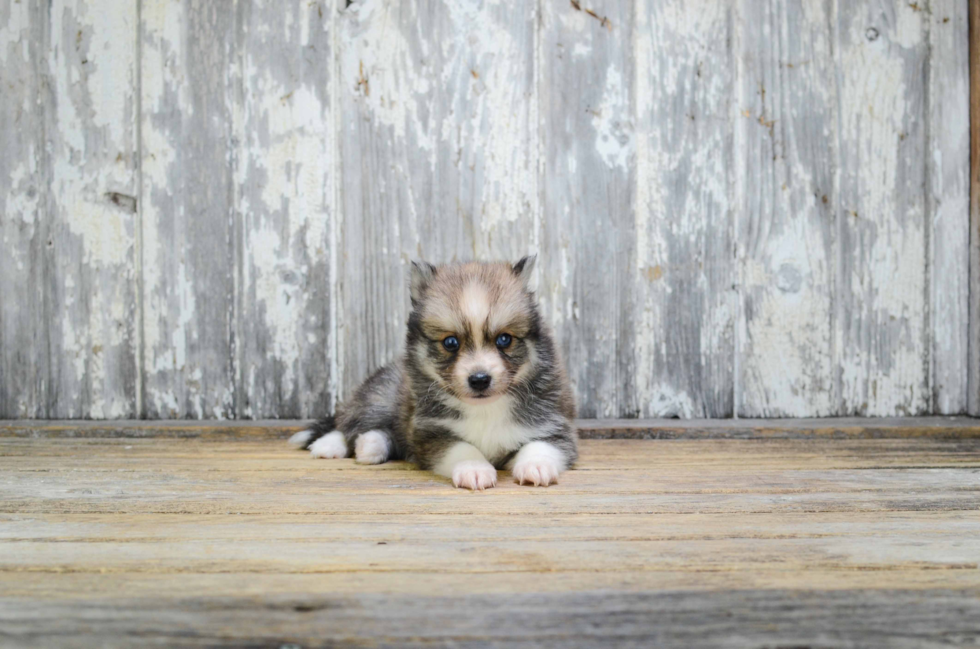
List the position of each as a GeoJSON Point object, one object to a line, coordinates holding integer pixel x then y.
{"type": "Point", "coordinates": [742, 208]}
{"type": "Point", "coordinates": [974, 291]}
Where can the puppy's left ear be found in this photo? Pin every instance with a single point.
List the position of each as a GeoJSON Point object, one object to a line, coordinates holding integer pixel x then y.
{"type": "Point", "coordinates": [422, 274]}
{"type": "Point", "coordinates": [524, 268]}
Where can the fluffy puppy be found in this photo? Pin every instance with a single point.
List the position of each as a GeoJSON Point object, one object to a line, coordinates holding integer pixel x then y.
{"type": "Point", "coordinates": [479, 388]}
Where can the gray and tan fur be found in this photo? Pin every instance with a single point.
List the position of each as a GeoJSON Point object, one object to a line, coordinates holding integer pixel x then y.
{"type": "Point", "coordinates": [480, 386]}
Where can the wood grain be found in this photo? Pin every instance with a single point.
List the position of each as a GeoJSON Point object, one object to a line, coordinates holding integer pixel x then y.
{"type": "Point", "coordinates": [24, 356]}
{"type": "Point", "coordinates": [72, 211]}
{"type": "Point", "coordinates": [286, 171]}
{"type": "Point", "coordinates": [200, 542]}
{"type": "Point", "coordinates": [786, 173]}
{"type": "Point", "coordinates": [685, 341]}
{"type": "Point", "coordinates": [947, 200]}
{"type": "Point", "coordinates": [973, 383]}
{"type": "Point", "coordinates": [437, 116]}
{"type": "Point", "coordinates": [189, 66]}
{"type": "Point", "coordinates": [883, 273]}
{"type": "Point", "coordinates": [589, 175]}
{"type": "Point", "coordinates": [751, 618]}
{"type": "Point", "coordinates": [91, 141]}
{"type": "Point", "coordinates": [753, 209]}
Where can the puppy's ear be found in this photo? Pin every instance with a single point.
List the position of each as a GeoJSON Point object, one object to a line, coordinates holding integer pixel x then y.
{"type": "Point", "coordinates": [422, 274]}
{"type": "Point", "coordinates": [524, 268]}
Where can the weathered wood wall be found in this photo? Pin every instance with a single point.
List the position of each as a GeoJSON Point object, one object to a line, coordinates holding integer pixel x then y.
{"type": "Point", "coordinates": [741, 207]}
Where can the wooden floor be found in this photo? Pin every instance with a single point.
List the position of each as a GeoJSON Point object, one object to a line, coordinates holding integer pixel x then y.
{"type": "Point", "coordinates": [687, 543]}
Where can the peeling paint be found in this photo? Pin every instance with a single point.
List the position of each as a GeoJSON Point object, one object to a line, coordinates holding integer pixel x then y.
{"type": "Point", "coordinates": [496, 118]}
{"type": "Point", "coordinates": [685, 319]}
{"type": "Point", "coordinates": [22, 222]}
{"type": "Point", "coordinates": [187, 260]}
{"type": "Point", "coordinates": [805, 259]}
{"type": "Point", "coordinates": [613, 123]}
{"type": "Point", "coordinates": [883, 362]}
{"type": "Point", "coordinates": [285, 174]}
{"type": "Point", "coordinates": [785, 235]}
{"type": "Point", "coordinates": [948, 201]}
{"type": "Point", "coordinates": [89, 120]}
{"type": "Point", "coordinates": [14, 35]}
{"type": "Point", "coordinates": [398, 76]}
{"type": "Point", "coordinates": [437, 110]}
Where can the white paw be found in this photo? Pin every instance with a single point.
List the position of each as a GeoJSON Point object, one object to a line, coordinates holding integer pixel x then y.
{"type": "Point", "coordinates": [330, 446]}
{"type": "Point", "coordinates": [300, 439]}
{"type": "Point", "coordinates": [539, 473]}
{"type": "Point", "coordinates": [474, 474]}
{"type": "Point", "coordinates": [371, 448]}
{"type": "Point", "coordinates": [539, 464]}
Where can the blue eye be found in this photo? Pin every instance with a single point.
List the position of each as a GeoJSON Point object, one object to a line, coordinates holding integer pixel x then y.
{"type": "Point", "coordinates": [503, 341]}
{"type": "Point", "coordinates": [450, 343]}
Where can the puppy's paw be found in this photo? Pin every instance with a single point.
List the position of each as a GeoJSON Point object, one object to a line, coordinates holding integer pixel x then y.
{"type": "Point", "coordinates": [330, 446]}
{"type": "Point", "coordinates": [371, 447]}
{"type": "Point", "coordinates": [474, 474]}
{"type": "Point", "coordinates": [538, 463]}
{"type": "Point", "coordinates": [539, 472]}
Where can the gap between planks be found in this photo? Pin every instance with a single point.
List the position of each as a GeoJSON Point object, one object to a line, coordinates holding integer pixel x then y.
{"type": "Point", "coordinates": [829, 428]}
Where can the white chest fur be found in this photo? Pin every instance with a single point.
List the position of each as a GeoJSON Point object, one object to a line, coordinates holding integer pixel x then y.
{"type": "Point", "coordinates": [491, 428]}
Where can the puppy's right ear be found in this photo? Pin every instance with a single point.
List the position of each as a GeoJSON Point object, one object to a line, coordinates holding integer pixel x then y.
{"type": "Point", "coordinates": [524, 268]}
{"type": "Point", "coordinates": [422, 274]}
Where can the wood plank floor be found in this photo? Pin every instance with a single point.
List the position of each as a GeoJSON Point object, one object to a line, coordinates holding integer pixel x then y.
{"type": "Point", "coordinates": [244, 542]}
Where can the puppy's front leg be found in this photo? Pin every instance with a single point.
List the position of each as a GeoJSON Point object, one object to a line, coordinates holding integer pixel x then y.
{"type": "Point", "coordinates": [466, 466]}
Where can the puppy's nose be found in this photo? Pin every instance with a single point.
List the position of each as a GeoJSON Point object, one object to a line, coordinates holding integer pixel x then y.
{"type": "Point", "coordinates": [479, 381]}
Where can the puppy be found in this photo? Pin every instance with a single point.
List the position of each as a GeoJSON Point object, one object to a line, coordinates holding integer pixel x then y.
{"type": "Point", "coordinates": [480, 386]}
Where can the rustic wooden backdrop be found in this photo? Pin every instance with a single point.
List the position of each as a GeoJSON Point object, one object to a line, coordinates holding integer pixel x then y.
{"type": "Point", "coordinates": [741, 207]}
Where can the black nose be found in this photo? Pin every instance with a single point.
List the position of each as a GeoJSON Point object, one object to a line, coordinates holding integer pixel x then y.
{"type": "Point", "coordinates": [479, 381]}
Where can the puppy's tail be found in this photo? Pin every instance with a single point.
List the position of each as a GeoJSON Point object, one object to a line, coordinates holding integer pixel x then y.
{"type": "Point", "coordinates": [304, 438]}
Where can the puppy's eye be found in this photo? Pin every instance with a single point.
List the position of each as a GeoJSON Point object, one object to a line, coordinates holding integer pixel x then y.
{"type": "Point", "coordinates": [450, 343]}
{"type": "Point", "coordinates": [503, 341]}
